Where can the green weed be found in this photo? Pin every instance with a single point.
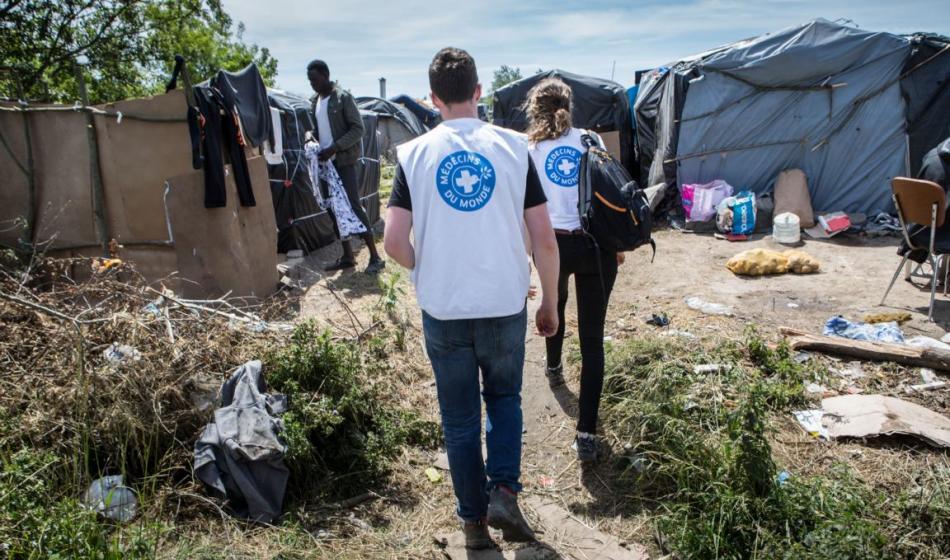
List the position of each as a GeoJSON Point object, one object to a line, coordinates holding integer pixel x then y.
{"type": "Point", "coordinates": [338, 427]}
{"type": "Point", "coordinates": [700, 451]}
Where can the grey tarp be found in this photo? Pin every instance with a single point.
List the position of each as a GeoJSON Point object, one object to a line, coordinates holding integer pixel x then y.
{"type": "Point", "coordinates": [396, 124]}
{"type": "Point", "coordinates": [821, 97]}
{"type": "Point", "coordinates": [300, 222]}
{"type": "Point", "coordinates": [240, 457]}
{"type": "Point", "coordinates": [599, 105]}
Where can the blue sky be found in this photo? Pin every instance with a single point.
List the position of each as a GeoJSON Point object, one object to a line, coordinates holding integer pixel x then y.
{"type": "Point", "coordinates": [362, 41]}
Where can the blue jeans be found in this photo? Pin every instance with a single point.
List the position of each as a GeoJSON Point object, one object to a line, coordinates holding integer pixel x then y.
{"type": "Point", "coordinates": [458, 349]}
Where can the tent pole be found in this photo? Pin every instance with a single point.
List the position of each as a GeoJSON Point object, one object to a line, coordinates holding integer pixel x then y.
{"type": "Point", "coordinates": [95, 173]}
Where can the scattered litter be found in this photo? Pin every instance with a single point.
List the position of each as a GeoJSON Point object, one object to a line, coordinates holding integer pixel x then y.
{"type": "Point", "coordinates": [442, 461]}
{"type": "Point", "coordinates": [810, 420]}
{"type": "Point", "coordinates": [701, 200]}
{"type": "Point", "coordinates": [928, 375]}
{"type": "Point", "coordinates": [679, 334]}
{"type": "Point", "coordinates": [707, 307]}
{"type": "Point", "coordinates": [100, 265]}
{"type": "Point", "coordinates": [927, 342]}
{"type": "Point", "coordinates": [882, 332]}
{"type": "Point", "coordinates": [153, 308]}
{"type": "Point", "coordinates": [873, 415]}
{"type": "Point", "coordinates": [851, 372]}
{"type": "Point", "coordinates": [816, 232]}
{"type": "Point", "coordinates": [834, 223]}
{"type": "Point", "coordinates": [732, 236]}
{"type": "Point", "coordinates": [783, 477]}
{"type": "Point", "coordinates": [608, 339]}
{"type": "Point", "coordinates": [881, 225]}
{"type": "Point", "coordinates": [659, 320]}
{"type": "Point", "coordinates": [793, 305]}
{"type": "Point", "coordinates": [816, 389]}
{"type": "Point", "coordinates": [709, 368]}
{"type": "Point", "coordinates": [358, 523]}
{"type": "Point", "coordinates": [120, 353]}
{"type": "Point", "coordinates": [933, 386]}
{"type": "Point", "coordinates": [108, 497]}
{"type": "Point", "coordinates": [945, 338]}
{"type": "Point", "coordinates": [802, 357]}
{"type": "Point", "coordinates": [433, 475]}
{"type": "Point", "coordinates": [898, 317]}
{"type": "Point", "coordinates": [546, 481]}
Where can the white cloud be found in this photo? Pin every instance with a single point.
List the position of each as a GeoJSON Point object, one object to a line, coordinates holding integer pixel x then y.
{"type": "Point", "coordinates": [365, 40]}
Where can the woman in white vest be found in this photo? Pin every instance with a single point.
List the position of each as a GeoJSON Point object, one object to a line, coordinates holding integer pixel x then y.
{"type": "Point", "coordinates": [556, 148]}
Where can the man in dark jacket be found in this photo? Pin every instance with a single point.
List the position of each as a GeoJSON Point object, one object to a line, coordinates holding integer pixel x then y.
{"type": "Point", "coordinates": [340, 133]}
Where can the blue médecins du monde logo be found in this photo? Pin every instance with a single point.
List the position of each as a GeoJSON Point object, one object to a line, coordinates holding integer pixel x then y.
{"type": "Point", "coordinates": [465, 180]}
{"type": "Point", "coordinates": [562, 166]}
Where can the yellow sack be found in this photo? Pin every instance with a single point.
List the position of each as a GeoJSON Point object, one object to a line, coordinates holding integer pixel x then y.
{"type": "Point", "coordinates": [801, 262]}
{"type": "Point", "coordinates": [758, 262]}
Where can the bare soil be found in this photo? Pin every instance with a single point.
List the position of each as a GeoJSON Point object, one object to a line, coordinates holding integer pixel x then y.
{"type": "Point", "coordinates": [854, 275]}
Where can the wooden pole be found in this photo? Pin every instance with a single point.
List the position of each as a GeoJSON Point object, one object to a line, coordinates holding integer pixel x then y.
{"type": "Point", "coordinates": [95, 173]}
{"type": "Point", "coordinates": [873, 351]}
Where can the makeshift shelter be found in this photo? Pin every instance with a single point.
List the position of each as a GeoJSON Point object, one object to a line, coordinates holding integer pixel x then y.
{"type": "Point", "coordinates": [926, 88]}
{"type": "Point", "coordinates": [300, 221]}
{"type": "Point", "coordinates": [429, 117]}
{"type": "Point", "coordinates": [820, 97]}
{"type": "Point", "coordinates": [599, 105]}
{"type": "Point", "coordinates": [397, 124]}
{"type": "Point", "coordinates": [77, 177]}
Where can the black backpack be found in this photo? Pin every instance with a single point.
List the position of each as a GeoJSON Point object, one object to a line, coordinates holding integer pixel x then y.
{"type": "Point", "coordinates": [613, 209]}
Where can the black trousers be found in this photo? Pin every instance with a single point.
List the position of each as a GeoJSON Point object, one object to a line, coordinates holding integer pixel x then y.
{"type": "Point", "coordinates": [579, 258]}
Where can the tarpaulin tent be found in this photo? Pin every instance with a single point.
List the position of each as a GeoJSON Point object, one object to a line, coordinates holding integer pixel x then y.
{"type": "Point", "coordinates": [397, 124]}
{"type": "Point", "coordinates": [926, 88]}
{"type": "Point", "coordinates": [300, 221]}
{"type": "Point", "coordinates": [599, 105]}
{"type": "Point", "coordinates": [428, 116]}
{"type": "Point", "coordinates": [821, 97]}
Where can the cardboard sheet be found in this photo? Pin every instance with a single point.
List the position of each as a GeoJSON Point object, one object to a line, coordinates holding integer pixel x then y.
{"type": "Point", "coordinates": [220, 250]}
{"type": "Point", "coordinates": [136, 157]}
{"type": "Point", "coordinates": [873, 415]}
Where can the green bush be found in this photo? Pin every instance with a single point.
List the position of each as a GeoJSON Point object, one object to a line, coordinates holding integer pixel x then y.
{"type": "Point", "coordinates": [37, 521]}
{"type": "Point", "coordinates": [338, 426]}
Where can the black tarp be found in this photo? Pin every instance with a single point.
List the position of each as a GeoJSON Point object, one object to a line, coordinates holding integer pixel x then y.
{"type": "Point", "coordinates": [658, 108]}
{"type": "Point", "coordinates": [427, 116]}
{"type": "Point", "coordinates": [300, 222]}
{"type": "Point", "coordinates": [925, 85]}
{"type": "Point", "coordinates": [599, 105]}
{"type": "Point", "coordinates": [390, 109]}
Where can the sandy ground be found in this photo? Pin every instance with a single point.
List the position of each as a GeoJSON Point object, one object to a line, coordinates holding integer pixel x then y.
{"type": "Point", "coordinates": [855, 273]}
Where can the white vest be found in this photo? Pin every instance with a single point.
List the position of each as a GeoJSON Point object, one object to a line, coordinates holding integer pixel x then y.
{"type": "Point", "coordinates": [466, 181]}
{"type": "Point", "coordinates": [558, 163]}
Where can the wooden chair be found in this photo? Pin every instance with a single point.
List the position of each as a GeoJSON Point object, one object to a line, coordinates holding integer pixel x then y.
{"type": "Point", "coordinates": [922, 207]}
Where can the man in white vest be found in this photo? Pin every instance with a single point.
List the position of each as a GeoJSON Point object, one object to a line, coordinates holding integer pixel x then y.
{"type": "Point", "coordinates": [468, 192]}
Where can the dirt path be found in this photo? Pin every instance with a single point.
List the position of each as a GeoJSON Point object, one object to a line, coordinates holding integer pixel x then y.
{"type": "Point", "coordinates": [855, 273]}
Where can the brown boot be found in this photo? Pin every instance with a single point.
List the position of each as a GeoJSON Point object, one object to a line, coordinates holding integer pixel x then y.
{"type": "Point", "coordinates": [504, 514]}
{"type": "Point", "coordinates": [476, 535]}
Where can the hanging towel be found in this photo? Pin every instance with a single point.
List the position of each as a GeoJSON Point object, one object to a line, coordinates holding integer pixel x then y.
{"type": "Point", "coordinates": [274, 154]}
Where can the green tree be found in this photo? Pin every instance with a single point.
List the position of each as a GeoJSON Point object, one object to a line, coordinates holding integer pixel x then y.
{"type": "Point", "coordinates": [504, 76]}
{"type": "Point", "coordinates": [126, 47]}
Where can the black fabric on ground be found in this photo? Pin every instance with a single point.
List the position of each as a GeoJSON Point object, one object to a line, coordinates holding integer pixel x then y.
{"type": "Point", "coordinates": [245, 90]}
{"type": "Point", "coordinates": [579, 257]}
{"type": "Point", "coordinates": [599, 105]}
{"type": "Point", "coordinates": [925, 86]}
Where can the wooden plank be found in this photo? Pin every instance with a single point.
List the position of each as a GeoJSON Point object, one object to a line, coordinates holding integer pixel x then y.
{"type": "Point", "coordinates": [572, 539]}
{"type": "Point", "coordinates": [873, 351]}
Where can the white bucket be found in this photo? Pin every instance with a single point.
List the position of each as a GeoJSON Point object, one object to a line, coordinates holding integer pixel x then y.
{"type": "Point", "coordinates": [786, 228]}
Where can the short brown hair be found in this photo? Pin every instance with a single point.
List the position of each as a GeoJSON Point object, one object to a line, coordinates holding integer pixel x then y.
{"type": "Point", "coordinates": [549, 110]}
{"type": "Point", "coordinates": [452, 75]}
